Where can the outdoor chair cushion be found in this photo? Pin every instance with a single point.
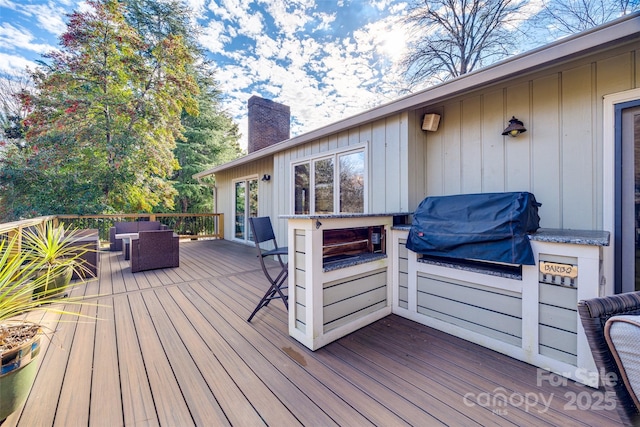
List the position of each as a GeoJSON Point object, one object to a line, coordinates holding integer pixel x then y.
{"type": "Point", "coordinates": [623, 337]}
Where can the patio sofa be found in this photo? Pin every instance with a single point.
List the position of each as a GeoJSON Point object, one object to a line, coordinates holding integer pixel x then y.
{"type": "Point", "coordinates": [130, 227]}
{"type": "Point", "coordinates": [155, 249]}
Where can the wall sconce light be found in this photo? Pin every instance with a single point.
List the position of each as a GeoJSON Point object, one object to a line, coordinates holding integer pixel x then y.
{"type": "Point", "coordinates": [515, 128]}
{"type": "Point", "coordinates": [266, 177]}
{"type": "Point", "coordinates": [430, 122]}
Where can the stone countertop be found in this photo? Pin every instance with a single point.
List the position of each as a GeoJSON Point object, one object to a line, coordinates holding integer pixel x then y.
{"type": "Point", "coordinates": [575, 237]}
{"type": "Point", "coordinates": [351, 261]}
{"type": "Point", "coordinates": [556, 235]}
{"type": "Point", "coordinates": [344, 215]}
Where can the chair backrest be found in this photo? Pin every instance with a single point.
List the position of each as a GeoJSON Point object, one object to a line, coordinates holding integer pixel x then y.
{"type": "Point", "coordinates": [125, 227]}
{"type": "Point", "coordinates": [148, 225]}
{"type": "Point", "coordinates": [155, 239]}
{"type": "Point", "coordinates": [594, 314]}
{"type": "Point", "coordinates": [262, 229]}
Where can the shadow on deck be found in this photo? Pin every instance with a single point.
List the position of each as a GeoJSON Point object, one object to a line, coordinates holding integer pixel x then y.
{"type": "Point", "coordinates": [172, 347]}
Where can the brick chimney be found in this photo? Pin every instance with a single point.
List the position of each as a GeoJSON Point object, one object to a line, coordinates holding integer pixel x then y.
{"type": "Point", "coordinates": [269, 123]}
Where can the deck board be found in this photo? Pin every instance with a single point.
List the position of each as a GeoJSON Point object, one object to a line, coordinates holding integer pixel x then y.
{"type": "Point", "coordinates": [173, 348]}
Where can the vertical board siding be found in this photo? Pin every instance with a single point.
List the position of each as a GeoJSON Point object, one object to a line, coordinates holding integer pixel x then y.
{"type": "Point", "coordinates": [493, 143]}
{"type": "Point", "coordinates": [559, 158]}
{"type": "Point", "coordinates": [558, 333]}
{"type": "Point", "coordinates": [471, 145]}
{"type": "Point", "coordinates": [452, 168]}
{"type": "Point", "coordinates": [300, 282]}
{"type": "Point", "coordinates": [493, 312]}
{"type": "Point", "coordinates": [353, 297]}
{"type": "Point", "coordinates": [517, 150]}
{"type": "Point", "coordinates": [546, 181]}
{"type": "Point", "coordinates": [577, 148]}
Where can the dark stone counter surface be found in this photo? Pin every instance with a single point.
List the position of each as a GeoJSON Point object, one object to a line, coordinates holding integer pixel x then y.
{"type": "Point", "coordinates": [509, 272]}
{"type": "Point", "coordinates": [351, 261]}
{"type": "Point", "coordinates": [343, 215]}
{"type": "Point", "coordinates": [574, 237]}
{"type": "Point", "coordinates": [556, 235]}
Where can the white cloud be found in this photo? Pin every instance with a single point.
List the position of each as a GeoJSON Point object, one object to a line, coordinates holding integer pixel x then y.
{"type": "Point", "coordinates": [13, 38]}
{"type": "Point", "coordinates": [14, 65]}
{"type": "Point", "coordinates": [214, 37]}
{"type": "Point", "coordinates": [289, 16]}
{"type": "Point", "coordinates": [325, 20]}
{"type": "Point", "coordinates": [322, 82]}
{"type": "Point", "coordinates": [50, 17]}
{"type": "Point", "coordinates": [197, 6]}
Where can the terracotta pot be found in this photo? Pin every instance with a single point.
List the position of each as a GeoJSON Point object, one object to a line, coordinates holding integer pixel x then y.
{"type": "Point", "coordinates": [17, 373]}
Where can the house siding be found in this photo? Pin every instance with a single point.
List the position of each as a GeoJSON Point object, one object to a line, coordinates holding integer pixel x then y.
{"type": "Point", "coordinates": [562, 111]}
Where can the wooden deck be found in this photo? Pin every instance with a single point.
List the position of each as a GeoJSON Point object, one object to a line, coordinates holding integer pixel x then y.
{"type": "Point", "coordinates": [173, 348]}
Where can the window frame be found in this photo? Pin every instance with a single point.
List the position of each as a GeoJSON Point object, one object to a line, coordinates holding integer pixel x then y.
{"type": "Point", "coordinates": [335, 156]}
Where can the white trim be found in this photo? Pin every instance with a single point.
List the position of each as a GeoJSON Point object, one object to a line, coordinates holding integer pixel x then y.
{"type": "Point", "coordinates": [335, 155]}
{"type": "Point", "coordinates": [608, 178]}
{"type": "Point", "coordinates": [234, 181]}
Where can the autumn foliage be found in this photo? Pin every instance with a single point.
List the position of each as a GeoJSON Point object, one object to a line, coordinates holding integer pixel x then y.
{"type": "Point", "coordinates": [103, 118]}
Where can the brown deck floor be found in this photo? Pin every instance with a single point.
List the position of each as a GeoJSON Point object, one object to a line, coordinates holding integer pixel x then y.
{"type": "Point", "coordinates": [173, 348]}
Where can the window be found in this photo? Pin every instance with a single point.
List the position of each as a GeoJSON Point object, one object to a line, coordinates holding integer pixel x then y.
{"type": "Point", "coordinates": [330, 184]}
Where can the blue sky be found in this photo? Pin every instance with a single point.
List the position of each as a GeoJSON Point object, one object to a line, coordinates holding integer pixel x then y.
{"type": "Point", "coordinates": [326, 59]}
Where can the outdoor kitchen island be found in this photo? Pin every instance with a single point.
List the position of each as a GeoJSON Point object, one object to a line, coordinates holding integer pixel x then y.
{"type": "Point", "coordinates": [339, 273]}
{"type": "Point", "coordinates": [528, 312]}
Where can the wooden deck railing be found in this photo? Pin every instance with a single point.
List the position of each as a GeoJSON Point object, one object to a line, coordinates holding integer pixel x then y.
{"type": "Point", "coordinates": [194, 226]}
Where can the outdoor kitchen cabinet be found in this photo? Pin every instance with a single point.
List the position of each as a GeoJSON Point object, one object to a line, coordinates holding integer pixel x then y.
{"type": "Point", "coordinates": [339, 274]}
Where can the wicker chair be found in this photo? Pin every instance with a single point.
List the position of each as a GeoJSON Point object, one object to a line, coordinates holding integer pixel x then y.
{"type": "Point", "coordinates": [594, 314]}
{"type": "Point", "coordinates": [155, 249]}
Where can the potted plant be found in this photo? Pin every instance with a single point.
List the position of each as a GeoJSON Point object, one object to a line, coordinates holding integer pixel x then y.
{"type": "Point", "coordinates": [24, 282]}
{"type": "Point", "coordinates": [52, 245]}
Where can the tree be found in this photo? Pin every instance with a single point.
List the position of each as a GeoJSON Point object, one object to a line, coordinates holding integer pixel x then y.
{"type": "Point", "coordinates": [209, 138]}
{"type": "Point", "coordinates": [11, 112]}
{"type": "Point", "coordinates": [566, 17]}
{"type": "Point", "coordinates": [105, 113]}
{"type": "Point", "coordinates": [454, 37]}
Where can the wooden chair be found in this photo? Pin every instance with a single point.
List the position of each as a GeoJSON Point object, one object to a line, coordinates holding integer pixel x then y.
{"type": "Point", "coordinates": [594, 314]}
{"type": "Point", "coordinates": [262, 231]}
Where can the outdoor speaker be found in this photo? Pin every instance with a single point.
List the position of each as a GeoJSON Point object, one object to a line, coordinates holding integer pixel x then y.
{"type": "Point", "coordinates": [431, 122]}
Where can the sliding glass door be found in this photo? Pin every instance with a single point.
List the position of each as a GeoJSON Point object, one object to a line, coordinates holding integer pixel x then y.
{"type": "Point", "coordinates": [246, 198]}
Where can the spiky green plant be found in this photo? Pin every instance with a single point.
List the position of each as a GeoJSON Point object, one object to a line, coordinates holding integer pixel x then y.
{"type": "Point", "coordinates": [25, 274]}
{"type": "Point", "coordinates": [52, 244]}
